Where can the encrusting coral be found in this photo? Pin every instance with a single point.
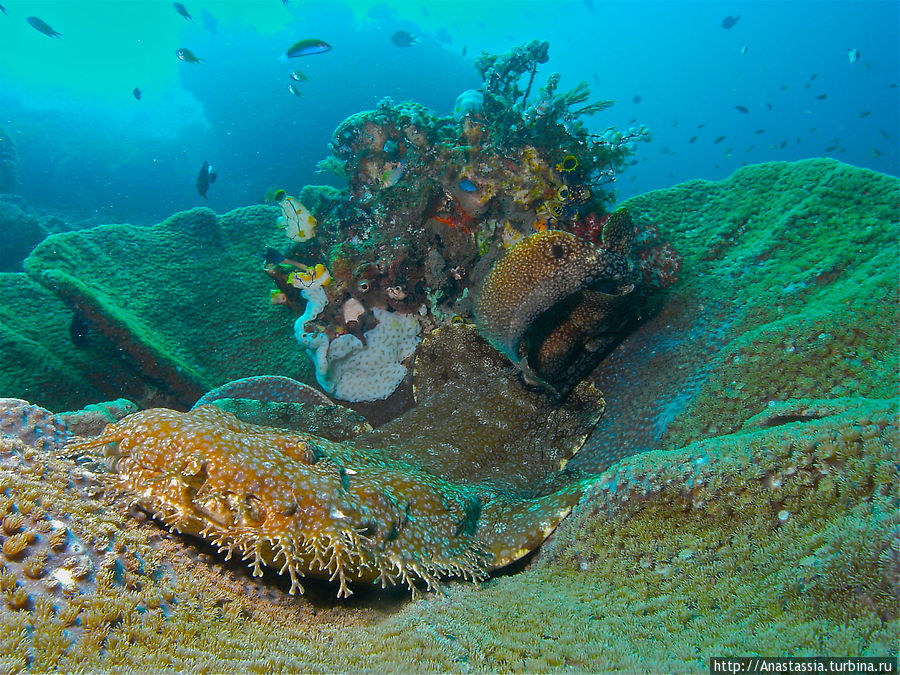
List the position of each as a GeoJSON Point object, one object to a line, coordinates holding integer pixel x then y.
{"type": "Point", "coordinates": [379, 507]}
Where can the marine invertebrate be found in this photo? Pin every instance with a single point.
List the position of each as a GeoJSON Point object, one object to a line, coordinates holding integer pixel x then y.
{"type": "Point", "coordinates": [377, 508]}
{"type": "Point", "coordinates": [555, 301]}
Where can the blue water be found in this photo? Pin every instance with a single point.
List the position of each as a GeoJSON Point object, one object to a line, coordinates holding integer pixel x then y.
{"type": "Point", "coordinates": [89, 150]}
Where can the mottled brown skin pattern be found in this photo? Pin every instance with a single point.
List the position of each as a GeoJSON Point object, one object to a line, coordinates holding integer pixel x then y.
{"type": "Point", "coordinates": [428, 495]}
{"type": "Point", "coordinates": [555, 300]}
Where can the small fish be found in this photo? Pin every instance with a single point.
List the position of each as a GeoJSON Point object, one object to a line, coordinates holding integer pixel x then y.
{"type": "Point", "coordinates": [42, 27]}
{"type": "Point", "coordinates": [636, 99]}
{"type": "Point", "coordinates": [853, 55]}
{"type": "Point", "coordinates": [865, 113]}
{"type": "Point", "coordinates": [832, 147]}
{"type": "Point", "coordinates": [181, 9]}
{"type": "Point", "coordinates": [467, 185]}
{"type": "Point", "coordinates": [760, 131]}
{"type": "Point", "coordinates": [784, 87]}
{"type": "Point", "coordinates": [701, 125]}
{"type": "Point", "coordinates": [273, 256]}
{"type": "Point", "coordinates": [744, 49]}
{"type": "Point", "coordinates": [741, 109]}
{"type": "Point", "coordinates": [3, 9]}
{"type": "Point", "coordinates": [884, 133]}
{"type": "Point", "coordinates": [719, 139]}
{"type": "Point", "coordinates": [768, 105]}
{"type": "Point", "coordinates": [136, 92]}
{"type": "Point", "coordinates": [466, 48]}
{"type": "Point", "coordinates": [205, 178]}
{"type": "Point", "coordinates": [187, 55]}
{"type": "Point", "coordinates": [875, 152]}
{"type": "Point", "coordinates": [730, 21]}
{"type": "Point", "coordinates": [693, 139]}
{"type": "Point", "coordinates": [784, 144]}
{"type": "Point", "coordinates": [293, 89]}
{"type": "Point", "coordinates": [307, 47]}
{"type": "Point", "coordinates": [297, 76]}
{"type": "Point", "coordinates": [813, 76]}
{"type": "Point", "coordinates": [749, 148]}
{"type": "Point", "coordinates": [403, 38]}
{"type": "Point", "coordinates": [822, 97]}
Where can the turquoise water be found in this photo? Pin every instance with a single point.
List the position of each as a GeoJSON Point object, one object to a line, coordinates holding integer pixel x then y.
{"type": "Point", "coordinates": [89, 150]}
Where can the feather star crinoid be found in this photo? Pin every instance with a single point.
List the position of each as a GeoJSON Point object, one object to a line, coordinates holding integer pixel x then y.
{"type": "Point", "coordinates": [468, 481]}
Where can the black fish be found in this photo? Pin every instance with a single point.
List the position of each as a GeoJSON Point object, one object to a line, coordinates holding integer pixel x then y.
{"type": "Point", "coordinates": [822, 97]}
{"type": "Point", "coordinates": [760, 131]}
{"type": "Point", "coordinates": [635, 99]}
{"type": "Point", "coordinates": [730, 21]}
{"type": "Point", "coordinates": [78, 330]}
{"type": "Point", "coordinates": [768, 105]}
{"type": "Point", "coordinates": [741, 109]}
{"type": "Point", "coordinates": [403, 38]}
{"type": "Point", "coordinates": [865, 113]}
{"type": "Point", "coordinates": [693, 139]}
{"type": "Point", "coordinates": [181, 9]}
{"type": "Point", "coordinates": [720, 139]}
{"type": "Point", "coordinates": [136, 93]}
{"type": "Point", "coordinates": [42, 26]}
{"type": "Point", "coordinates": [204, 179]}
{"type": "Point", "coordinates": [273, 256]}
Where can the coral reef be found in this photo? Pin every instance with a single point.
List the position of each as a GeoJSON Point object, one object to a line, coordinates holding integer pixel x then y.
{"type": "Point", "coordinates": [765, 524]}
{"type": "Point", "coordinates": [377, 508]}
{"type": "Point", "coordinates": [21, 233]}
{"type": "Point", "coordinates": [431, 203]}
{"type": "Point", "coordinates": [38, 359]}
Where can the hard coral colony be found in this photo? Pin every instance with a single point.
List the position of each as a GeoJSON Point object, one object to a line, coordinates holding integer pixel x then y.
{"type": "Point", "coordinates": [431, 203]}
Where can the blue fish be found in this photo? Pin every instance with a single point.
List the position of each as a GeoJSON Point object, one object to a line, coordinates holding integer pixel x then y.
{"type": "Point", "coordinates": [307, 47]}
{"type": "Point", "coordinates": [42, 26]}
{"type": "Point", "coordinates": [467, 186]}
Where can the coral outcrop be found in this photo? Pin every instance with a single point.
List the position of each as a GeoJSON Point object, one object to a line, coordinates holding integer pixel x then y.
{"type": "Point", "coordinates": [431, 203]}
{"type": "Point", "coordinates": [151, 312]}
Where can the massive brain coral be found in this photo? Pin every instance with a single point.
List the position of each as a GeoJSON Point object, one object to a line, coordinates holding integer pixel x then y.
{"type": "Point", "coordinates": [466, 482]}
